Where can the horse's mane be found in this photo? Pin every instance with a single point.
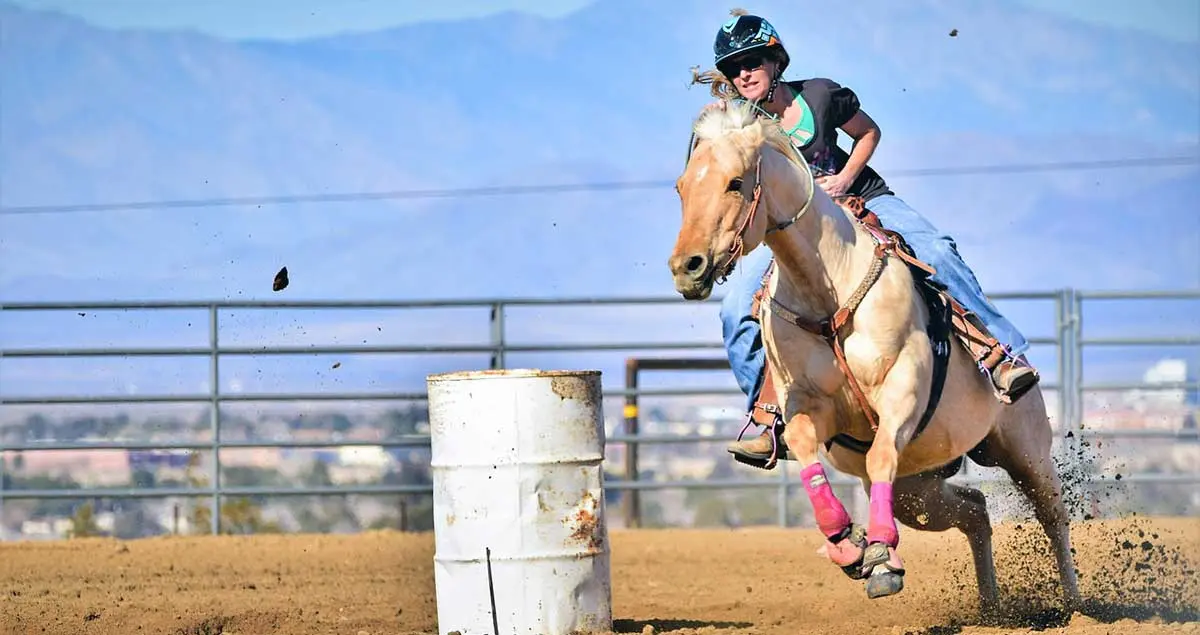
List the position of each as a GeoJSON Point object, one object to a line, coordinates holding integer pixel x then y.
{"type": "Point", "coordinates": [739, 127]}
{"type": "Point", "coordinates": [738, 123]}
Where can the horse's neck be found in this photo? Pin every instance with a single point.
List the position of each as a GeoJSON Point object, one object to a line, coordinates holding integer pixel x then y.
{"type": "Point", "coordinates": [818, 258]}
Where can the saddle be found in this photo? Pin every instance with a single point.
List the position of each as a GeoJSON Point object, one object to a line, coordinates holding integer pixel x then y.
{"type": "Point", "coordinates": [947, 317]}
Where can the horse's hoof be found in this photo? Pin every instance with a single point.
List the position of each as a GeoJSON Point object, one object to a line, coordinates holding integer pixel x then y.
{"type": "Point", "coordinates": [856, 540]}
{"type": "Point", "coordinates": [884, 584]}
{"type": "Point", "coordinates": [883, 569]}
{"type": "Point", "coordinates": [854, 571]}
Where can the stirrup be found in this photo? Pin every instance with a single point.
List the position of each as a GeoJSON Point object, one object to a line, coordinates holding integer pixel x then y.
{"type": "Point", "coordinates": [1018, 388]}
{"type": "Point", "coordinates": [774, 432]}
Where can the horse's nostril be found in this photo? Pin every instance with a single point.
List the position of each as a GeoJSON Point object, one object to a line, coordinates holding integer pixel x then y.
{"type": "Point", "coordinates": [696, 264]}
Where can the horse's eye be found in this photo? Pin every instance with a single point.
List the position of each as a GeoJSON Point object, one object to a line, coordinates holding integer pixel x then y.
{"type": "Point", "coordinates": [735, 184]}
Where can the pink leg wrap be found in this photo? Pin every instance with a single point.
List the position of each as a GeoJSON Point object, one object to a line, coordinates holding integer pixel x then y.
{"type": "Point", "coordinates": [882, 527]}
{"type": "Point", "coordinates": [831, 515]}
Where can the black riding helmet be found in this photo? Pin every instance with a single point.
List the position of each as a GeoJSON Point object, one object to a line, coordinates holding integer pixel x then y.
{"type": "Point", "coordinates": [744, 33]}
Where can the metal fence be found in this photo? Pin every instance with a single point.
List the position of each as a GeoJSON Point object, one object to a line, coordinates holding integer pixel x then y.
{"type": "Point", "coordinates": [1067, 339]}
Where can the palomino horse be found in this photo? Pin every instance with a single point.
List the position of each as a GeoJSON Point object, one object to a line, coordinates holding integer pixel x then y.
{"type": "Point", "coordinates": [843, 329]}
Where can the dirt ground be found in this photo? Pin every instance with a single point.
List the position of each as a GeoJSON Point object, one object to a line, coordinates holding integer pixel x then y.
{"type": "Point", "coordinates": [1138, 576]}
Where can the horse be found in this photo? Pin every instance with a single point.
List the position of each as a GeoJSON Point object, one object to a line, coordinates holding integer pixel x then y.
{"type": "Point", "coordinates": [848, 338]}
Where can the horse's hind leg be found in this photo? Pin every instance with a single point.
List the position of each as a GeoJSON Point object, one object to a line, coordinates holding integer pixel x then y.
{"type": "Point", "coordinates": [1022, 448]}
{"type": "Point", "coordinates": [927, 502]}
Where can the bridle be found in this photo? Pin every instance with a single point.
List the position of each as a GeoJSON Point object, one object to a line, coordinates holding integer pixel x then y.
{"type": "Point", "coordinates": [737, 249]}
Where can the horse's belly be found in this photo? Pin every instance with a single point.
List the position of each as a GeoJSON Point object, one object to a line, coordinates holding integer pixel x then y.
{"type": "Point", "coordinates": [942, 441]}
{"type": "Point", "coordinates": [934, 449]}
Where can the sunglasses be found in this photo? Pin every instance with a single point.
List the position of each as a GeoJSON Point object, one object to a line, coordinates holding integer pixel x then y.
{"type": "Point", "coordinates": [749, 62]}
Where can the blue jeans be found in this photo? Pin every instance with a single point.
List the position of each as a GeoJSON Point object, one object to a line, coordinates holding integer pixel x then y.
{"type": "Point", "coordinates": [742, 335]}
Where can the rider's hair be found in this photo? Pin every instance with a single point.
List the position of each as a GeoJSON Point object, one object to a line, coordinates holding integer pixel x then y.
{"type": "Point", "coordinates": [719, 85]}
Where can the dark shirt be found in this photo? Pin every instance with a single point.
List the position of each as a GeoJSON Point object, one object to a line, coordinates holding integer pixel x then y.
{"type": "Point", "coordinates": [832, 106]}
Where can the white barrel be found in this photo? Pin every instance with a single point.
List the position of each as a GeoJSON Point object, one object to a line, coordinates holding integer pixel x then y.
{"type": "Point", "coordinates": [518, 490]}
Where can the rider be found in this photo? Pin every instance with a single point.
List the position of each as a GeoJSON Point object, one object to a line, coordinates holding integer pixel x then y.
{"type": "Point", "coordinates": [750, 59]}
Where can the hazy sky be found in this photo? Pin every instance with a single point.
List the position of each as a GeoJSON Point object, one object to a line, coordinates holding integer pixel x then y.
{"type": "Point", "coordinates": [1175, 19]}
{"type": "Point", "coordinates": [77, 101]}
{"type": "Point", "coordinates": [287, 19]}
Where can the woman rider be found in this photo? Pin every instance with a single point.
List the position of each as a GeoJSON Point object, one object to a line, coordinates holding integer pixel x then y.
{"type": "Point", "coordinates": [751, 57]}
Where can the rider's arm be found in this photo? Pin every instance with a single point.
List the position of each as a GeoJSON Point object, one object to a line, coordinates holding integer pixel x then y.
{"type": "Point", "coordinates": [865, 133]}
{"type": "Point", "coordinates": [845, 112]}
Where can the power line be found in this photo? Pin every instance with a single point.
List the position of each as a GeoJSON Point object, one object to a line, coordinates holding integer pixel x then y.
{"type": "Point", "coordinates": [1062, 166]}
{"type": "Point", "coordinates": [499, 190]}
{"type": "Point", "coordinates": [514, 190]}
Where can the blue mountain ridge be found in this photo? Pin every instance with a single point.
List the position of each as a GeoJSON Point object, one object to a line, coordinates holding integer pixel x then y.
{"type": "Point", "coordinates": [90, 115]}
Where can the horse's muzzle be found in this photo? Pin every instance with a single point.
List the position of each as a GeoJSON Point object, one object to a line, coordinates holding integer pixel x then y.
{"type": "Point", "coordinates": [694, 276]}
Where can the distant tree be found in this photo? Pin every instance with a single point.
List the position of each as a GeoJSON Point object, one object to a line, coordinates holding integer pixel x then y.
{"type": "Point", "coordinates": [37, 427]}
{"type": "Point", "coordinates": [144, 479]}
{"type": "Point", "coordinates": [243, 516]}
{"type": "Point", "coordinates": [83, 523]}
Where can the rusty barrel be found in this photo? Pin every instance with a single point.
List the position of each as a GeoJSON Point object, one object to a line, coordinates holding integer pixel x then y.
{"type": "Point", "coordinates": [519, 528]}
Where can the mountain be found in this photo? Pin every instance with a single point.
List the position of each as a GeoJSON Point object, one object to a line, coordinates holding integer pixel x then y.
{"type": "Point", "coordinates": [95, 116]}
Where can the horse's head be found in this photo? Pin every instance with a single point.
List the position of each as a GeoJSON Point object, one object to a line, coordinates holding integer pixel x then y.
{"type": "Point", "coordinates": [721, 191]}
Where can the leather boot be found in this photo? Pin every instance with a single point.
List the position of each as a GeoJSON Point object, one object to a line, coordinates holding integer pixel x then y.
{"type": "Point", "coordinates": [765, 450]}
{"type": "Point", "coordinates": [1012, 378]}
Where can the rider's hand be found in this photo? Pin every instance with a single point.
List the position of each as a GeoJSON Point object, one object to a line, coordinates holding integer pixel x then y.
{"type": "Point", "coordinates": [834, 185]}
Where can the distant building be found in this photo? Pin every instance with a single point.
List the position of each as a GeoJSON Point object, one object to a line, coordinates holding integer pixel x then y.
{"type": "Point", "coordinates": [1164, 372]}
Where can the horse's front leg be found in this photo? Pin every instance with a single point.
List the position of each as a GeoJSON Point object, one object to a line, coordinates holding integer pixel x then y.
{"type": "Point", "coordinates": [898, 410]}
{"type": "Point", "coordinates": [845, 541]}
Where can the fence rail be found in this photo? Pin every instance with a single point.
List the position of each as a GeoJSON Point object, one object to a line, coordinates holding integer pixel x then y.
{"type": "Point", "coordinates": [1068, 341]}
